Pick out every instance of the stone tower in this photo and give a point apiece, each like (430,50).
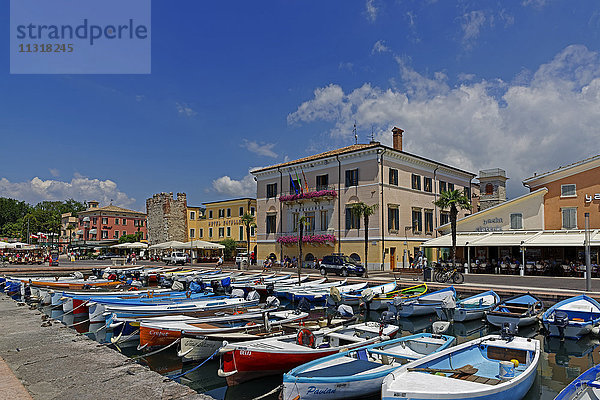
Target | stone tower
(167,218)
(492,183)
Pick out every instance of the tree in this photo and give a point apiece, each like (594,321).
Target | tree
(454,200)
(364,210)
(131,238)
(230,246)
(248,221)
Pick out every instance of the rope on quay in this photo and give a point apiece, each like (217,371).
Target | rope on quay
(119,340)
(173,377)
(157,351)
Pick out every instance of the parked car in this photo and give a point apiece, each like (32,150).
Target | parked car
(107,256)
(177,257)
(341,265)
(242,259)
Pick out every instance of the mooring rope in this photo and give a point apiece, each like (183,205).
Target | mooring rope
(78,323)
(157,351)
(275,390)
(173,377)
(75,308)
(119,340)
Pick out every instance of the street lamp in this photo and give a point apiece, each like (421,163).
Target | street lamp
(588,261)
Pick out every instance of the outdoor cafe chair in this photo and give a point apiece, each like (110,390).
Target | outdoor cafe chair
(529,269)
(540,269)
(513,268)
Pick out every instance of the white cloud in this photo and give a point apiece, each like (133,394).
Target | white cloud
(79,188)
(528,125)
(262,149)
(371,10)
(379,47)
(471,24)
(236,188)
(54,172)
(535,3)
(185,110)
(346,65)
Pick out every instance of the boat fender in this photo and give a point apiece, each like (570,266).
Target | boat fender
(596,330)
(515,362)
(224,374)
(250,324)
(381,326)
(188,294)
(305,337)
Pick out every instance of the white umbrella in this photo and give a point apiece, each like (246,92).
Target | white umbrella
(136,245)
(3,245)
(173,244)
(201,244)
(17,245)
(119,246)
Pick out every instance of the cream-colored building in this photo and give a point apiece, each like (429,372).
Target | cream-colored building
(404,187)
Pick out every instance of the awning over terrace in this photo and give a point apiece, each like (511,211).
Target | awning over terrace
(563,238)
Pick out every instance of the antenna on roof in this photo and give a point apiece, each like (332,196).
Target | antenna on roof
(355,134)
(372,134)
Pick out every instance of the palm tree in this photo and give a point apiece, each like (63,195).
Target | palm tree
(301,222)
(455,200)
(364,210)
(248,221)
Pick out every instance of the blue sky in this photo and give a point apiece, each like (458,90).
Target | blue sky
(238,84)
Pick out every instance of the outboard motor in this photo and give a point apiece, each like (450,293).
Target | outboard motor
(561,320)
(253,295)
(270,287)
(508,331)
(345,310)
(272,302)
(304,305)
(388,317)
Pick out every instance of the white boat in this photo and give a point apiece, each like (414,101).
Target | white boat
(358,373)
(423,305)
(354,299)
(471,308)
(520,310)
(585,387)
(573,318)
(491,368)
(257,358)
(312,294)
(291,291)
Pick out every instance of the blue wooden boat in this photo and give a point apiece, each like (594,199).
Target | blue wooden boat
(471,308)
(572,318)
(585,387)
(359,372)
(520,310)
(490,368)
(422,305)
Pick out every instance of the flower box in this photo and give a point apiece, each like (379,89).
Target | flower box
(308,195)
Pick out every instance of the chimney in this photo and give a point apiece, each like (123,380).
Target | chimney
(397,133)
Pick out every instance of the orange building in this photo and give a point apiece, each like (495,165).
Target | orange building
(573,191)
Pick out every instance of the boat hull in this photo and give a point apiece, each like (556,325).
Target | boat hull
(571,331)
(192,349)
(500,320)
(152,337)
(331,390)
(461,315)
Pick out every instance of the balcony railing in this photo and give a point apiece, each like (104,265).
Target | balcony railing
(309,194)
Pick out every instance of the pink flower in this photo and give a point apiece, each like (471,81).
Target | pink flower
(308,195)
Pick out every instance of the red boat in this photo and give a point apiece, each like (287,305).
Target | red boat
(244,361)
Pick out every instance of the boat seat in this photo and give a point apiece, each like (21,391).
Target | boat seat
(362,355)
(476,379)
(504,354)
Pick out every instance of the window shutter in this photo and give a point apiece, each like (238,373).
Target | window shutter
(356,179)
(390,217)
(348,218)
(397,219)
(347,178)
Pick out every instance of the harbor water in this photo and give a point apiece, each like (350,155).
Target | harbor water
(561,361)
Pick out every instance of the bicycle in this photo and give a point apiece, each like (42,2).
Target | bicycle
(453,275)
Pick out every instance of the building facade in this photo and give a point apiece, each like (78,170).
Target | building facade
(322,189)
(167,218)
(105,225)
(69,224)
(220,220)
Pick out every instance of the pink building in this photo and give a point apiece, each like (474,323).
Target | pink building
(103,225)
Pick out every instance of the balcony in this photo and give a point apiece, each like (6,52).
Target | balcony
(310,194)
(316,240)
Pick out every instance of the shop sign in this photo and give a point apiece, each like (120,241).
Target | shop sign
(589,198)
(490,225)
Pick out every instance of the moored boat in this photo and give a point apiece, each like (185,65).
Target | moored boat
(354,298)
(359,372)
(422,305)
(572,318)
(585,387)
(520,310)
(491,368)
(471,308)
(244,361)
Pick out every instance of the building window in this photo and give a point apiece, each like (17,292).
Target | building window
(569,217)
(228,231)
(210,232)
(104,221)
(443,187)
(428,221)
(228,212)
(271,190)
(201,233)
(489,189)
(221,213)
(393,218)
(221,232)
(322,182)
(416,182)
(516,221)
(295,219)
(450,186)
(192,233)
(252,211)
(417,221)
(427,184)
(124,221)
(192,215)
(444,218)
(352,177)
(210,214)
(116,221)
(252,231)
(309,225)
(467,192)
(569,190)
(94,220)
(393,178)
(352,220)
(324,221)
(241,233)
(104,234)
(241,211)
(271,223)
(116,235)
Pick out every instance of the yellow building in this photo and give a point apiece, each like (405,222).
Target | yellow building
(219,220)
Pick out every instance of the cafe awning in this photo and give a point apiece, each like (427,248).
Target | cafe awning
(462,238)
(561,238)
(508,238)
